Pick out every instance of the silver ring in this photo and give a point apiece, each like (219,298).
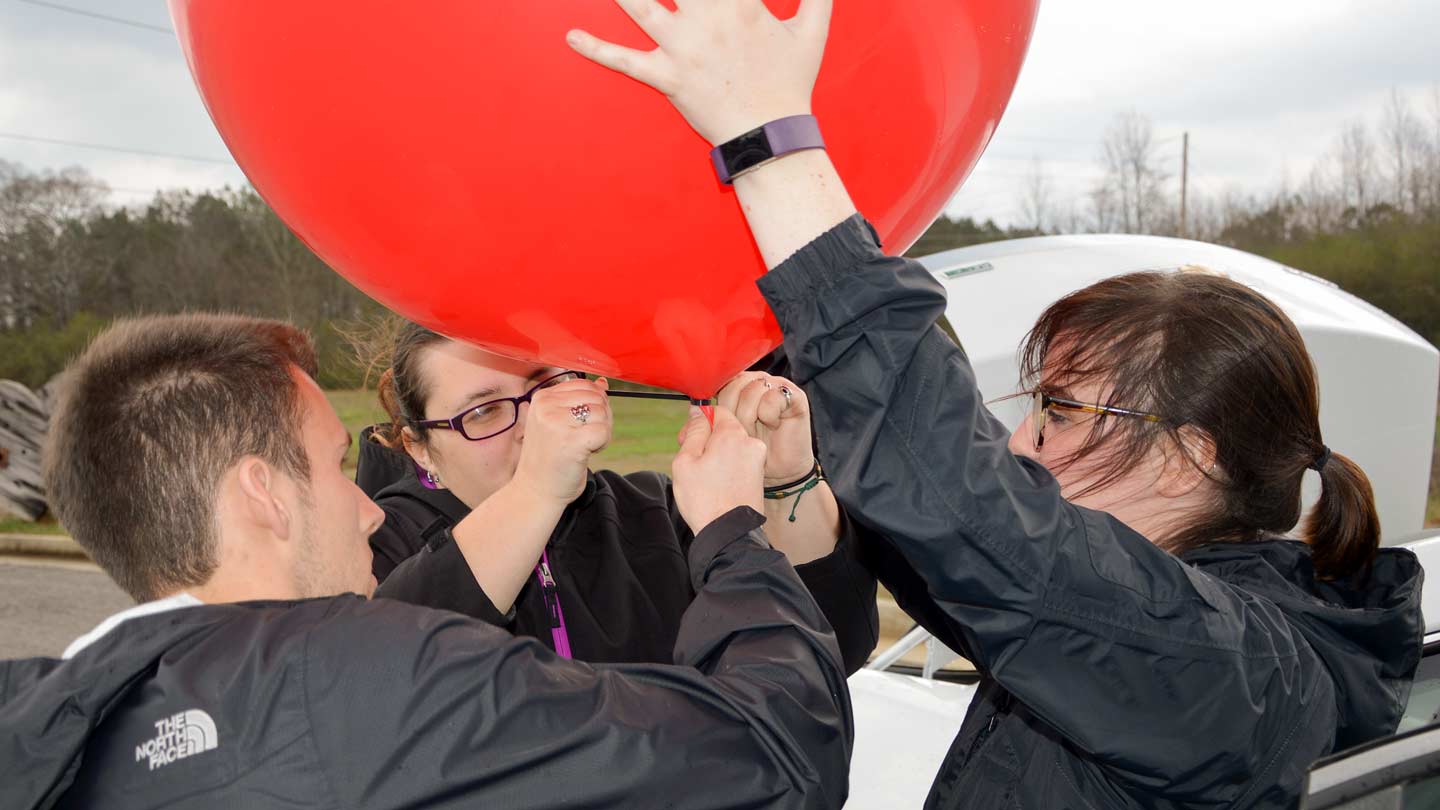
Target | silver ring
(581,413)
(785,392)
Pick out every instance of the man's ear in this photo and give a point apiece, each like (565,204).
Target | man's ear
(261,501)
(1190,463)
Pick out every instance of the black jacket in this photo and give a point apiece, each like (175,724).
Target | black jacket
(617,557)
(1114,674)
(348,703)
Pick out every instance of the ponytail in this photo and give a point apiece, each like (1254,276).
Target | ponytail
(1343,529)
(394,344)
(390,433)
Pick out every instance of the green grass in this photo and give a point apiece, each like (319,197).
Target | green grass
(358,410)
(645,432)
(9,525)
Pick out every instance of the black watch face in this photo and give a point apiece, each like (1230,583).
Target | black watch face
(746,152)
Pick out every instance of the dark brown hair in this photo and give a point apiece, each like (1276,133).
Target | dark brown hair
(150,418)
(1221,363)
(402,390)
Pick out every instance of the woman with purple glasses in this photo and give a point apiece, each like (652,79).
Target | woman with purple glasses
(492,510)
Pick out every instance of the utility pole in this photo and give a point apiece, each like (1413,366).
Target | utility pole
(1184,179)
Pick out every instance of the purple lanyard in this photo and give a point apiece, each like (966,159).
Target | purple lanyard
(552,603)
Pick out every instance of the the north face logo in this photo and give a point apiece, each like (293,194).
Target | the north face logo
(178,736)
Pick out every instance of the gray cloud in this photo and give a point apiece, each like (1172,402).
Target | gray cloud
(1263,88)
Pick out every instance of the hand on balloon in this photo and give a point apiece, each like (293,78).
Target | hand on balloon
(565,426)
(775,411)
(718,468)
(728,67)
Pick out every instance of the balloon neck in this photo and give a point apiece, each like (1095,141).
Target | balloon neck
(705,408)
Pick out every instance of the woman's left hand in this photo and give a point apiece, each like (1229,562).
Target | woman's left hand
(728,66)
(774,410)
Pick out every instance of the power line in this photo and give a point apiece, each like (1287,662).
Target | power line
(159,29)
(109,148)
(1002,135)
(1041,159)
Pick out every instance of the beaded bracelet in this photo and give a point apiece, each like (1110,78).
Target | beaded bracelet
(798,488)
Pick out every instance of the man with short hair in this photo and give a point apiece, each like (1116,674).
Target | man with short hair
(197,461)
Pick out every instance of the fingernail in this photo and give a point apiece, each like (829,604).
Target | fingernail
(694,411)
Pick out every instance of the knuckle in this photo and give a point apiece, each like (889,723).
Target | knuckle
(622,61)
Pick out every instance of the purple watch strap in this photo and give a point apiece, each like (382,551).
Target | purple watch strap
(758,146)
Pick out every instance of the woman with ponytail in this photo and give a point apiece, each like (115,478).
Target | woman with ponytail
(1120,569)
(491,509)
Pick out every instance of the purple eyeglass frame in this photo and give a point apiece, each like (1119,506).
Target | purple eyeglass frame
(456,422)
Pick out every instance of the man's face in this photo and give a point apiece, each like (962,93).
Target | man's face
(334,517)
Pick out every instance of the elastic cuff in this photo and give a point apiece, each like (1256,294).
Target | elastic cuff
(742,521)
(847,245)
(833,565)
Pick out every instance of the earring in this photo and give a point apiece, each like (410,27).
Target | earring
(432,478)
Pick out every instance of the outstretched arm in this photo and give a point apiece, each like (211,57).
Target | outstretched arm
(732,67)
(448,709)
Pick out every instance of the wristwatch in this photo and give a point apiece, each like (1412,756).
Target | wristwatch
(764,144)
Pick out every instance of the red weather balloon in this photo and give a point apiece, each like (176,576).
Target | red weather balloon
(460,164)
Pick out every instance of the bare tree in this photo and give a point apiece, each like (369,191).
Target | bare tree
(1132,172)
(48,199)
(1035,197)
(1356,157)
(40,273)
(1104,209)
(1405,145)
(1432,163)
(1321,201)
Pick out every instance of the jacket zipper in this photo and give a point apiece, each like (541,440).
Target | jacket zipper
(1002,706)
(551,591)
(547,587)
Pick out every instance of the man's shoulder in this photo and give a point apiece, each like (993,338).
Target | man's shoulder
(351,629)
(385,620)
(330,620)
(231,699)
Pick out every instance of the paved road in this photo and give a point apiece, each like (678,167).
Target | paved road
(45,605)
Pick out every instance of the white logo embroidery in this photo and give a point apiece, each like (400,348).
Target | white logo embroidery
(178,736)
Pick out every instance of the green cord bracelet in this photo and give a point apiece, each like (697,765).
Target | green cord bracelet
(798,492)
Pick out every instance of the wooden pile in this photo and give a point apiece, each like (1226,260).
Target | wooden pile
(24,416)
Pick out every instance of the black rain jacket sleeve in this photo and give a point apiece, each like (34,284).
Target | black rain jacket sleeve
(1145,664)
(418,561)
(757,714)
(842,585)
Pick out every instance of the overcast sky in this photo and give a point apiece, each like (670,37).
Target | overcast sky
(1262,86)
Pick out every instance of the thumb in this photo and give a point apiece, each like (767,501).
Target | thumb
(725,420)
(697,433)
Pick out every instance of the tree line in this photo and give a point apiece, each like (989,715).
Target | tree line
(70,264)
(1366,215)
